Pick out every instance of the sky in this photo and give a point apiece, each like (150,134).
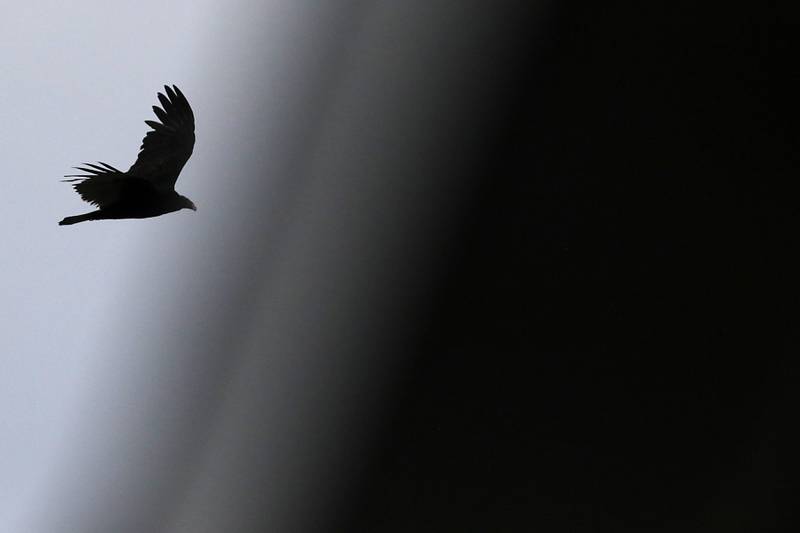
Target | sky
(135,393)
(78,81)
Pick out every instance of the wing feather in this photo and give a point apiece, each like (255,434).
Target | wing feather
(165,103)
(166,148)
(161,114)
(98,185)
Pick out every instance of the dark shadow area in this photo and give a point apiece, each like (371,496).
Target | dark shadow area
(611,343)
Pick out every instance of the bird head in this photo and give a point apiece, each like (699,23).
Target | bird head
(187,204)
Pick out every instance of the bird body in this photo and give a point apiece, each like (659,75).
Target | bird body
(147,189)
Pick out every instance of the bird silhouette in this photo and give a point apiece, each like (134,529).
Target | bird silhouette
(147,189)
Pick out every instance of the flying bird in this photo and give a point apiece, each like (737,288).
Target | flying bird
(147,189)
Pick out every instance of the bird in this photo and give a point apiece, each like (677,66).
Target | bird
(147,188)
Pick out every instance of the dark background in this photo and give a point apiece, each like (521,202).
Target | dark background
(611,338)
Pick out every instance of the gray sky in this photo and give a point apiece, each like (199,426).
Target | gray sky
(197,371)
(78,81)
(123,399)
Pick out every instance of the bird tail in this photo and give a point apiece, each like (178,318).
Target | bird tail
(79,218)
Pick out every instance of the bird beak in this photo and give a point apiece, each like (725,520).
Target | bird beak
(192,206)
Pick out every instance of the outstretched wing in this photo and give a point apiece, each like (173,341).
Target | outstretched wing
(167,147)
(101,184)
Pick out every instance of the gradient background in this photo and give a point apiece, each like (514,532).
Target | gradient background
(456,266)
